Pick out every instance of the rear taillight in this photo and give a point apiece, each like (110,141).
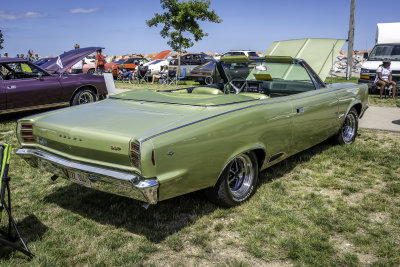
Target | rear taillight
(135,154)
(26,132)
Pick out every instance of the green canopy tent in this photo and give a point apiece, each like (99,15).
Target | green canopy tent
(8,239)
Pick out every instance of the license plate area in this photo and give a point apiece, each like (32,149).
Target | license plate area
(79,178)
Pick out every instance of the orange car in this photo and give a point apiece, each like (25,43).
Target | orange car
(132,63)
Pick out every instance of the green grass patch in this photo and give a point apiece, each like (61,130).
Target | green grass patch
(327,206)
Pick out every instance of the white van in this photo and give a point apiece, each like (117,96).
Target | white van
(387,47)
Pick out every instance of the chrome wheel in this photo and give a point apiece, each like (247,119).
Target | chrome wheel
(349,128)
(85,97)
(241,175)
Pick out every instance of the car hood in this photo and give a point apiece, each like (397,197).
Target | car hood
(319,53)
(161,55)
(68,59)
(373,65)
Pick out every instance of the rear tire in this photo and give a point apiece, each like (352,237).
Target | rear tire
(348,132)
(237,181)
(84,96)
(90,71)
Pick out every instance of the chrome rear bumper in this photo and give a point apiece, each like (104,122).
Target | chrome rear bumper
(110,181)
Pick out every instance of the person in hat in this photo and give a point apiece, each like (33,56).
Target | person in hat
(383,78)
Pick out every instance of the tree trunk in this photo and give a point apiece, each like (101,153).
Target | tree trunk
(178,71)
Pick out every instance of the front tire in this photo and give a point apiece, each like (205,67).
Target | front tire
(84,96)
(348,132)
(237,181)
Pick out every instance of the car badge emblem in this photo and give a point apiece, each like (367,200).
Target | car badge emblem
(69,137)
(117,148)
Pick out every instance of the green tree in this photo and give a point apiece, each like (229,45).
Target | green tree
(1,40)
(181,22)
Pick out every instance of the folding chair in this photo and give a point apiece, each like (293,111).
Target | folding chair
(176,79)
(171,77)
(141,74)
(9,239)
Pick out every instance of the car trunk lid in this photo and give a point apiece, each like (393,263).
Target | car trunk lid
(102,132)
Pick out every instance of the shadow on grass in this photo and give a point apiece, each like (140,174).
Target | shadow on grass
(165,218)
(14,117)
(31,229)
(156,223)
(280,169)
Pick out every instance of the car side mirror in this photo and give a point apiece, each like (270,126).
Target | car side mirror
(365,55)
(40,75)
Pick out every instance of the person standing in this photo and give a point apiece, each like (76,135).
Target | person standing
(77,67)
(30,56)
(99,62)
(383,78)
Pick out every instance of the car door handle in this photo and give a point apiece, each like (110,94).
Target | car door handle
(11,86)
(299,110)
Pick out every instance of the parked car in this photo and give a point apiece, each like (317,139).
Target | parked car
(90,68)
(154,145)
(130,64)
(155,66)
(205,73)
(25,86)
(387,47)
(190,61)
(247,53)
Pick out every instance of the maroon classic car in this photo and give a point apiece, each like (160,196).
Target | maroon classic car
(25,86)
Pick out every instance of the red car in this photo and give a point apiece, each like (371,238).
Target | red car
(132,63)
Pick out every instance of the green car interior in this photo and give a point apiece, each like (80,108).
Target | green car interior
(242,79)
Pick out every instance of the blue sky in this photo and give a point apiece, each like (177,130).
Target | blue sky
(53,26)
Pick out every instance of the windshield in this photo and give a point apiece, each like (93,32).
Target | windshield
(388,51)
(287,75)
(120,61)
(253,54)
(156,61)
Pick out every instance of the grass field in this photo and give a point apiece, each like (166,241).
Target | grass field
(328,206)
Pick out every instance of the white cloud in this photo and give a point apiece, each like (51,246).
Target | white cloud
(5,15)
(83,10)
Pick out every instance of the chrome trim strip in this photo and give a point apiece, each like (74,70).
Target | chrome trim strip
(275,157)
(234,110)
(125,184)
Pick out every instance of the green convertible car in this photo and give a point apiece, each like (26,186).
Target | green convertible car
(154,145)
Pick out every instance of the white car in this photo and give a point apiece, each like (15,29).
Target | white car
(155,66)
(247,53)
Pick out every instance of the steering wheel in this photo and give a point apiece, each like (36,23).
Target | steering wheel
(238,89)
(9,76)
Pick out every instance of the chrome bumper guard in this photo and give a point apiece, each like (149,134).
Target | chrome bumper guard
(110,181)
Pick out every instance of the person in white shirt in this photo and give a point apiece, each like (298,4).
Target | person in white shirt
(383,78)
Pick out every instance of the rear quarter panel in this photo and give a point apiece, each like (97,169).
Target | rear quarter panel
(350,95)
(72,83)
(192,157)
